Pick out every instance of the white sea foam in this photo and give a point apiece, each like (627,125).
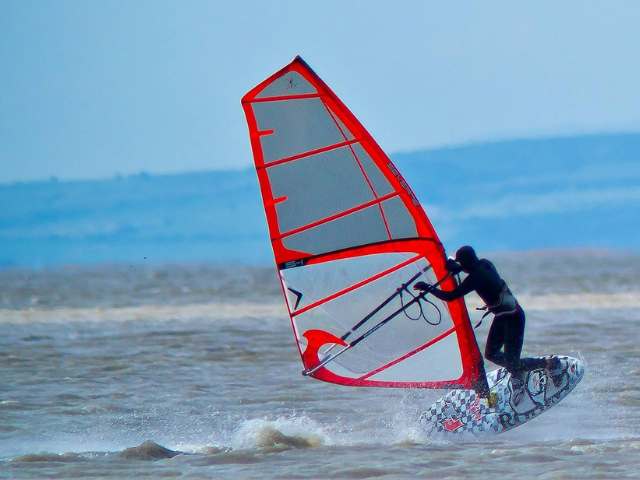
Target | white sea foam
(280,433)
(581,301)
(213,311)
(142,312)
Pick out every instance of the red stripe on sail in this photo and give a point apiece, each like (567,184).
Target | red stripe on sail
(281,98)
(310,153)
(410,354)
(339,215)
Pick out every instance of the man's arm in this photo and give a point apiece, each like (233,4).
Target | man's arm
(460,291)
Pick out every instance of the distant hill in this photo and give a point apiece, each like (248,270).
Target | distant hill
(581,191)
(571,192)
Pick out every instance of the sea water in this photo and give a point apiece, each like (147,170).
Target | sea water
(191,371)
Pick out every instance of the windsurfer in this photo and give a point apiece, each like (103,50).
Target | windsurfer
(507,329)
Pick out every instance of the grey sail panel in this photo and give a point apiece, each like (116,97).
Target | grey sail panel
(317,187)
(290,84)
(298,126)
(399,220)
(379,182)
(359,228)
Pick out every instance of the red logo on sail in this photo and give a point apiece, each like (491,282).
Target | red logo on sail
(316,339)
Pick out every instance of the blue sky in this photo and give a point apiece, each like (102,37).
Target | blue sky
(92,89)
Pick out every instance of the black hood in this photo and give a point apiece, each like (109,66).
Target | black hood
(466,257)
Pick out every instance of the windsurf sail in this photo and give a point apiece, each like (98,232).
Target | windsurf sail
(350,240)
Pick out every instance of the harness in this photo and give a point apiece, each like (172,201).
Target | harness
(506,305)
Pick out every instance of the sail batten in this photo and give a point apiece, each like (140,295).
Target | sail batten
(336,216)
(350,240)
(308,154)
(285,97)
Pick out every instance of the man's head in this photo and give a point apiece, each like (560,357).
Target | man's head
(466,257)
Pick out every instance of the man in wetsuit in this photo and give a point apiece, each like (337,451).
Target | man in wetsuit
(507,328)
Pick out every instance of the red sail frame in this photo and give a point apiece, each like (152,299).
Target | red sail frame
(426,244)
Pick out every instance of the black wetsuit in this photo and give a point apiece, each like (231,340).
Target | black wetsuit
(507,328)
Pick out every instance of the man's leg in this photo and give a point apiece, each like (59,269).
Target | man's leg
(513,338)
(495,341)
(522,364)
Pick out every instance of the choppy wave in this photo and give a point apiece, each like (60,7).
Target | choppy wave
(148,450)
(279,434)
(163,375)
(347,451)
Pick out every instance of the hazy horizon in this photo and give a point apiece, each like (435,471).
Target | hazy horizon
(240,168)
